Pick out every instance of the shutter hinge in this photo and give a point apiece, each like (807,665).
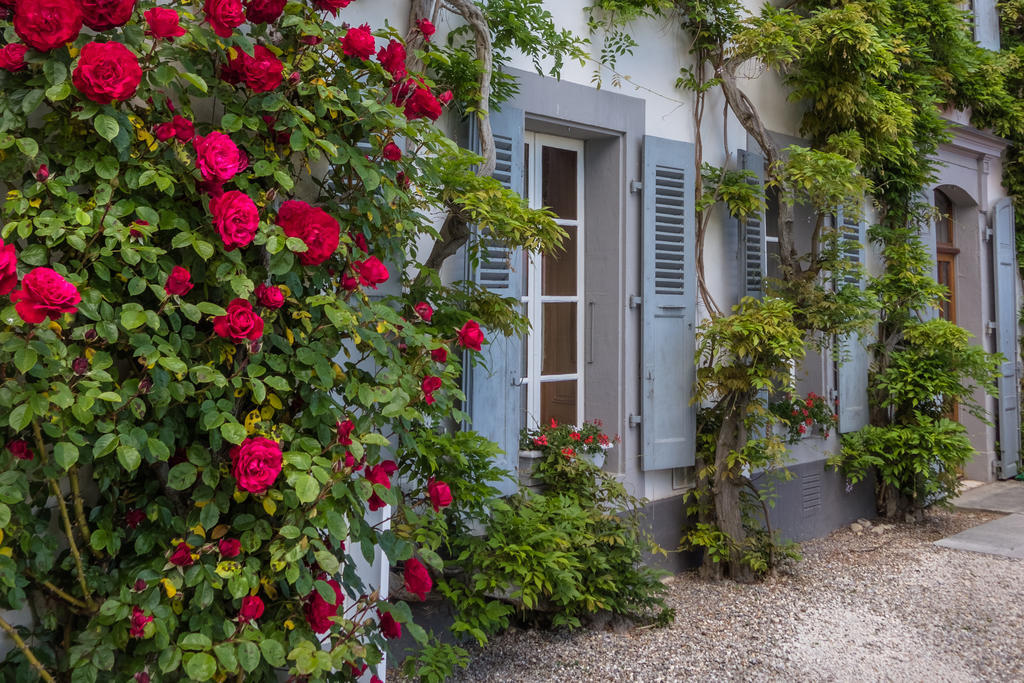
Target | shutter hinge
(635,301)
(635,420)
(517,381)
(635,186)
(988,234)
(991,327)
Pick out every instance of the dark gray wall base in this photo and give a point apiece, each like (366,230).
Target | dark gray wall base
(813,503)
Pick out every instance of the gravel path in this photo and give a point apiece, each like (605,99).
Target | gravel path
(860,607)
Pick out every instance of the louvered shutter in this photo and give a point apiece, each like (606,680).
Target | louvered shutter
(494,398)
(853,369)
(668,424)
(752,233)
(926,233)
(1005,278)
(986,24)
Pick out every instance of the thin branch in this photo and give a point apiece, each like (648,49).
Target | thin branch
(70,599)
(72,545)
(76,493)
(29,655)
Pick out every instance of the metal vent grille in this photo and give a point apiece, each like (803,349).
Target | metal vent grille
(669,231)
(810,494)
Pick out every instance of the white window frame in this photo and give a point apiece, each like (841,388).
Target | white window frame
(533,301)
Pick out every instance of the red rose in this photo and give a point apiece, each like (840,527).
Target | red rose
(12,56)
(358,42)
(389,628)
(319,611)
(8,268)
(45,294)
(178,282)
(271,297)
(331,6)
(426,28)
(422,103)
(46,24)
(182,555)
(43,173)
(20,450)
(314,226)
(163,23)
(256,463)
(345,429)
(229,547)
(139,621)
(440,355)
(264,11)
(371,272)
(417,579)
(240,323)
(218,157)
(392,58)
(262,72)
(251,609)
(429,385)
(134,517)
(380,474)
(224,16)
(470,336)
(350,283)
(184,129)
(100,15)
(445,97)
(236,218)
(163,131)
(107,72)
(391,152)
(440,494)
(424,310)
(360,241)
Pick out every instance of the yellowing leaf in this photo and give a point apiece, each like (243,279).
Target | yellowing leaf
(251,420)
(198,530)
(239,496)
(169,587)
(291,337)
(267,412)
(289,624)
(55,327)
(269,588)
(227,568)
(275,401)
(219,531)
(269,506)
(89,353)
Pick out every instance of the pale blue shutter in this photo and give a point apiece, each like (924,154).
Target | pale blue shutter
(494,397)
(668,421)
(1006,336)
(986,24)
(926,232)
(853,368)
(752,233)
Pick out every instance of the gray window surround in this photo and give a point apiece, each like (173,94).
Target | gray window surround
(612,127)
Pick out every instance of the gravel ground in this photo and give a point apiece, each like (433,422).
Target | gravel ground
(863,606)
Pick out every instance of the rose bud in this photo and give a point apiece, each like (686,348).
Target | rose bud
(80,365)
(90,335)
(145,384)
(43,173)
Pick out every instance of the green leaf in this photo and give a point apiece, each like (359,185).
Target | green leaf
(226,654)
(20,417)
(181,476)
(106,126)
(65,454)
(105,444)
(210,308)
(233,432)
(169,659)
(195,641)
(5,515)
(248,655)
(107,169)
(273,652)
(200,667)
(56,93)
(25,359)
(28,147)
(196,80)
(129,457)
(306,488)
(327,561)
(131,319)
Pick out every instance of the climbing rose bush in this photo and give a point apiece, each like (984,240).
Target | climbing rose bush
(214,363)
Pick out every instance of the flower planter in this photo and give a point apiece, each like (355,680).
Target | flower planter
(527,460)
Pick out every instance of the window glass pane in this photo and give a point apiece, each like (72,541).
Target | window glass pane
(558,181)
(560,268)
(558,401)
(771,218)
(772,247)
(559,344)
